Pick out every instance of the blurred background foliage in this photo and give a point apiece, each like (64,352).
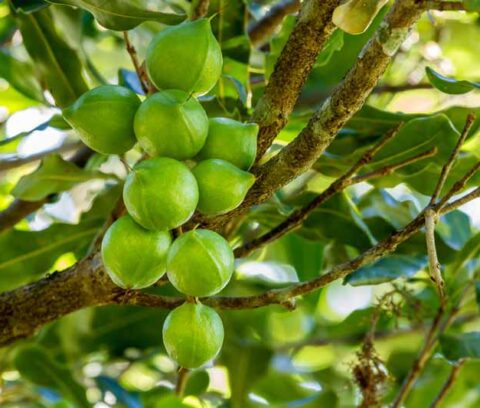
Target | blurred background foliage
(114,356)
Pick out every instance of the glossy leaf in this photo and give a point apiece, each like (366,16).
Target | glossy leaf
(27,255)
(270,274)
(20,75)
(56,63)
(387,269)
(38,366)
(53,176)
(459,346)
(448,85)
(121,15)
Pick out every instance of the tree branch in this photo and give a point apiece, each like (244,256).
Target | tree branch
(199,9)
(349,96)
(454,373)
(26,309)
(139,69)
(451,160)
(348,179)
(311,32)
(446,5)
(434,265)
(260,31)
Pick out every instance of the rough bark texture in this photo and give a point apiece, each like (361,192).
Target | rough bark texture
(312,30)
(24,310)
(349,96)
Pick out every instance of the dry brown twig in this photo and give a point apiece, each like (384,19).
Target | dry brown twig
(139,68)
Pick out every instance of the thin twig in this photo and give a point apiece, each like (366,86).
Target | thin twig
(451,160)
(299,216)
(142,75)
(455,371)
(260,31)
(460,184)
(199,9)
(434,265)
(445,5)
(385,171)
(420,361)
(182,377)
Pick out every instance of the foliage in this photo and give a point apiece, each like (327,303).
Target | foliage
(373,321)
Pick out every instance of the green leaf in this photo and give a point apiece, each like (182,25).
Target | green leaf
(20,75)
(334,220)
(458,346)
(28,6)
(53,176)
(450,86)
(334,44)
(121,15)
(248,363)
(197,383)
(386,270)
(417,136)
(472,5)
(57,64)
(267,273)
(36,365)
(27,255)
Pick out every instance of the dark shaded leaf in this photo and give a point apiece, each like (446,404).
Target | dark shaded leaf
(450,86)
(57,64)
(387,269)
(35,364)
(28,6)
(458,346)
(20,75)
(197,383)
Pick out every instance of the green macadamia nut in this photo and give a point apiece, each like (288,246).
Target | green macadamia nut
(134,257)
(186,56)
(172,124)
(193,335)
(103,118)
(222,186)
(200,263)
(232,141)
(161,193)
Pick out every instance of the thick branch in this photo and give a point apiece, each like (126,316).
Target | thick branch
(311,32)
(199,9)
(261,30)
(345,101)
